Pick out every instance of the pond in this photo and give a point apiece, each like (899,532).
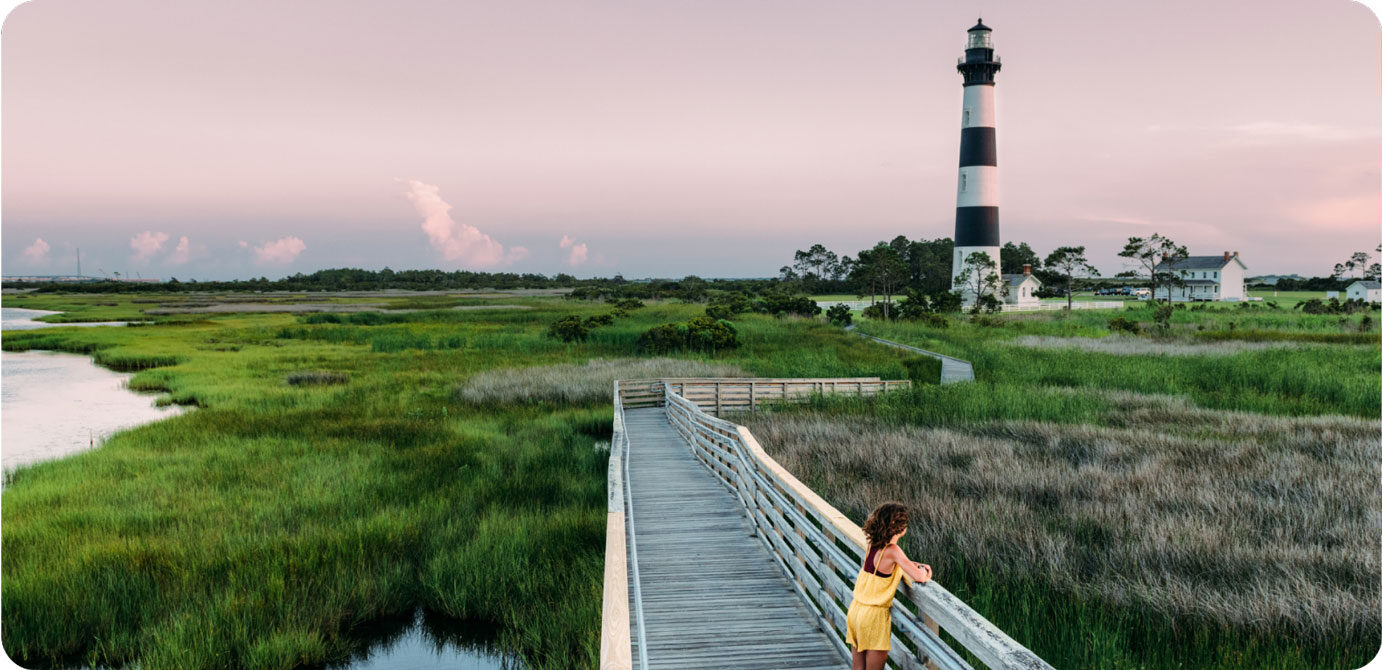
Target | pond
(56,404)
(428,642)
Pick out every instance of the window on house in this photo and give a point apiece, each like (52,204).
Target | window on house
(1216,274)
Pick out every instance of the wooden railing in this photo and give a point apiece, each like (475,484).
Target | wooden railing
(616,647)
(820,550)
(717,395)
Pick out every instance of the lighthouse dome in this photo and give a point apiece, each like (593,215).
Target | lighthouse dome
(981,27)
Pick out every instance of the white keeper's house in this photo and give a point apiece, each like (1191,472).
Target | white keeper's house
(1021,289)
(1205,278)
(1367,290)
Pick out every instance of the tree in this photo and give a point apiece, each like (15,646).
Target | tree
(883,270)
(1069,262)
(1358,261)
(979,277)
(1158,256)
(1012,257)
(816,264)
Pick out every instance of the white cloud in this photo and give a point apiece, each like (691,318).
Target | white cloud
(458,242)
(182,252)
(146,244)
(281,251)
(37,253)
(244,244)
(579,252)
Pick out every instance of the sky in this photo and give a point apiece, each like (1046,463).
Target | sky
(215,140)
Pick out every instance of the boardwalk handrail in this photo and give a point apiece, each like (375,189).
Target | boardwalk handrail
(715,395)
(821,550)
(616,652)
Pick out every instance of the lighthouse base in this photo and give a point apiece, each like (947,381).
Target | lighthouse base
(966,289)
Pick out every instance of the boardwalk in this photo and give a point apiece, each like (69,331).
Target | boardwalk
(712,594)
(952,369)
(717,556)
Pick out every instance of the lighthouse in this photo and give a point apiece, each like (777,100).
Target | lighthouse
(976,208)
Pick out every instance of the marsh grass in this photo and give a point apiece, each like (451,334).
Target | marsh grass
(1207,534)
(1302,379)
(579,384)
(316,378)
(262,529)
(1122,345)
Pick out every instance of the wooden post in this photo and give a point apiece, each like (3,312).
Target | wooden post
(753,406)
(717,398)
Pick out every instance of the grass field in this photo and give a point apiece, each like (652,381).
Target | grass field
(347,468)
(1202,498)
(336,474)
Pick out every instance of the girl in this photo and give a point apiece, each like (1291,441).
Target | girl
(869,623)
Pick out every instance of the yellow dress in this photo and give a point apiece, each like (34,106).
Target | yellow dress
(869,622)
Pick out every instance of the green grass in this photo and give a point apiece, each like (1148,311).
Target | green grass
(261,529)
(1314,378)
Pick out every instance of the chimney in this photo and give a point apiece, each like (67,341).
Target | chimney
(1235,254)
(1226,256)
(1026,269)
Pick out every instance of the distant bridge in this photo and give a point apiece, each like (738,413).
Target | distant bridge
(687,585)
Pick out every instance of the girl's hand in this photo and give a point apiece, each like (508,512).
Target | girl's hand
(926,569)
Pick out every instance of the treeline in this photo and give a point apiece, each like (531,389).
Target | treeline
(338,279)
(892,267)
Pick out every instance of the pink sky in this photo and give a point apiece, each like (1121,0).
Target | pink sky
(220,139)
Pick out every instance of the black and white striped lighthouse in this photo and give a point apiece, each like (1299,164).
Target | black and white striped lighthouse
(976,210)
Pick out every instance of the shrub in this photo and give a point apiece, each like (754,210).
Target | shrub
(569,329)
(1120,324)
(627,304)
(839,315)
(729,304)
(933,320)
(598,320)
(1162,317)
(706,334)
(947,302)
(988,303)
(878,312)
(662,339)
(718,311)
(702,333)
(316,378)
(779,304)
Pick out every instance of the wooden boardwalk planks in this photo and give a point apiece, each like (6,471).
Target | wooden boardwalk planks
(712,595)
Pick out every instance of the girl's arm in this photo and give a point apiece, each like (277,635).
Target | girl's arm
(919,572)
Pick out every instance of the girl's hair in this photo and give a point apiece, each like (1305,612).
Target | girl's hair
(887,520)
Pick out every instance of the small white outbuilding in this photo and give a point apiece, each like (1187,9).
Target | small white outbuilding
(1367,290)
(1021,289)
